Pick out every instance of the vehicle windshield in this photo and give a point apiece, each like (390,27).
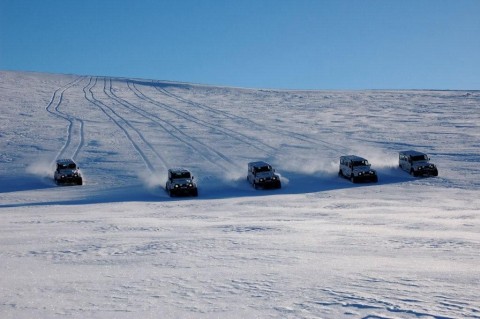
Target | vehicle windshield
(419,158)
(360,163)
(180,175)
(266,168)
(67,166)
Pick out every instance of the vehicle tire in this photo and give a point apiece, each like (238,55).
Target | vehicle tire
(279,185)
(412,172)
(352,179)
(79,181)
(435,173)
(375,179)
(195,193)
(340,173)
(255,185)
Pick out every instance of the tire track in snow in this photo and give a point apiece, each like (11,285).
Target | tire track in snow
(109,93)
(205,151)
(250,123)
(270,150)
(75,124)
(143,148)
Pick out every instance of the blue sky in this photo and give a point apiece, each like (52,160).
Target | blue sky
(357,44)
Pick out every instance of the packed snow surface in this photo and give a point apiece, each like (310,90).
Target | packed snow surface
(320,247)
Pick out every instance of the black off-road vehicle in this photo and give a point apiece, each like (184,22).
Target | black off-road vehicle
(180,182)
(67,173)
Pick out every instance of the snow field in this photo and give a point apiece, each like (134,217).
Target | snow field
(321,247)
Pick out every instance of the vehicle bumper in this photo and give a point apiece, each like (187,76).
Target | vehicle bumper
(270,184)
(184,191)
(426,172)
(69,181)
(366,178)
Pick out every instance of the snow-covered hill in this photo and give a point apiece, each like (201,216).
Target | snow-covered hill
(320,247)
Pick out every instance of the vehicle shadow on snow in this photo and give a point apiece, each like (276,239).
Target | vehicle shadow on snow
(10,184)
(293,183)
(90,194)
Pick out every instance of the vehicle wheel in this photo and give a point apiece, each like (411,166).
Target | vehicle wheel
(375,179)
(352,178)
(255,185)
(412,172)
(340,173)
(435,173)
(80,181)
(195,193)
(279,185)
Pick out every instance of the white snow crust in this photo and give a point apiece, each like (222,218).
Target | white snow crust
(320,247)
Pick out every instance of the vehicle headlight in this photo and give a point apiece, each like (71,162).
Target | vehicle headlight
(261,179)
(190,185)
(176,186)
(274,178)
(360,174)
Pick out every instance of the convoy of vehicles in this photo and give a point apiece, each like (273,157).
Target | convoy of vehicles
(261,175)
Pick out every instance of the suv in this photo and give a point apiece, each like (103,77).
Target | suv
(357,169)
(180,182)
(262,175)
(67,172)
(416,163)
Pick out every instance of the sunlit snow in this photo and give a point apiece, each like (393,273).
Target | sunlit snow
(320,247)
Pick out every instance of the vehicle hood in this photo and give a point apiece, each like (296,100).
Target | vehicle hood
(422,164)
(265,175)
(69,171)
(182,181)
(361,169)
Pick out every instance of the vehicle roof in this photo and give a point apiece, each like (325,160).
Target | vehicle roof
(258,163)
(179,170)
(65,161)
(412,152)
(353,157)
